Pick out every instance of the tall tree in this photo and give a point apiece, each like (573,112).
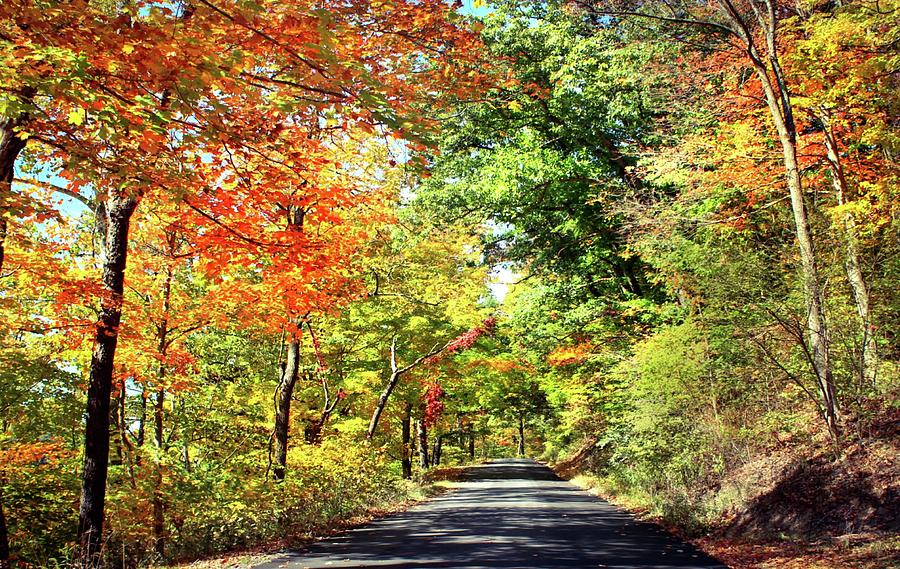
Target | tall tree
(754,27)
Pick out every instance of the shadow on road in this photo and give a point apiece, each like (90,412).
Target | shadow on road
(509,514)
(510,469)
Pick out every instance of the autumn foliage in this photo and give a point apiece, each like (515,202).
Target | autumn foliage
(245,250)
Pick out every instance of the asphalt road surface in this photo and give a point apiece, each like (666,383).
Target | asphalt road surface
(506,514)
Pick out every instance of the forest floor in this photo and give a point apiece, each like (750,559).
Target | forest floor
(793,506)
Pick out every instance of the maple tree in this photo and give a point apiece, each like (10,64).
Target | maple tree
(155,91)
(257,243)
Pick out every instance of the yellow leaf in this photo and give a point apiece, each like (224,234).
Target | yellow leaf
(76,117)
(127,49)
(478,3)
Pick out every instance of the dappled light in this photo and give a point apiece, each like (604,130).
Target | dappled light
(509,513)
(449,283)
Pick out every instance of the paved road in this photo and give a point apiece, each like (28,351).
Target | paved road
(507,514)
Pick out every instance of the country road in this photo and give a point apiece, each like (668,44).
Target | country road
(507,514)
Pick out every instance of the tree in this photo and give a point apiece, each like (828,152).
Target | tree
(754,26)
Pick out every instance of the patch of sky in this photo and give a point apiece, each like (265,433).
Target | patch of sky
(476,8)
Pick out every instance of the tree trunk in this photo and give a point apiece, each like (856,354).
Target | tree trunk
(96,433)
(142,420)
(382,403)
(436,453)
(471,446)
(11,145)
(4,535)
(186,455)
(778,99)
(422,435)
(869,357)
(159,522)
(186,434)
(405,451)
(396,372)
(159,415)
(124,443)
(816,330)
(283,409)
(116,429)
(313,430)
(521,449)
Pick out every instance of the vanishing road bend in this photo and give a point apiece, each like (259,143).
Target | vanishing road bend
(506,514)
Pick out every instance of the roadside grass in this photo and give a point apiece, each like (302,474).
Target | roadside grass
(434,483)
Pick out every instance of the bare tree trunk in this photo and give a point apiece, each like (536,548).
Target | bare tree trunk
(816,329)
(521,449)
(96,434)
(869,360)
(289,375)
(187,456)
(422,435)
(142,420)
(313,431)
(124,443)
(382,403)
(471,446)
(778,99)
(186,434)
(405,440)
(159,521)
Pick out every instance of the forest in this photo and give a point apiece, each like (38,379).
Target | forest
(267,266)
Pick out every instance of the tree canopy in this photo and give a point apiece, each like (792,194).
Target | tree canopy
(257,257)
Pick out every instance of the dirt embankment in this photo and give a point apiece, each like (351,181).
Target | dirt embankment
(800,507)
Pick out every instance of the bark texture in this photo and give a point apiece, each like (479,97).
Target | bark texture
(438,448)
(868,363)
(11,146)
(521,448)
(289,374)
(162,336)
(422,436)
(96,434)
(393,380)
(406,440)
